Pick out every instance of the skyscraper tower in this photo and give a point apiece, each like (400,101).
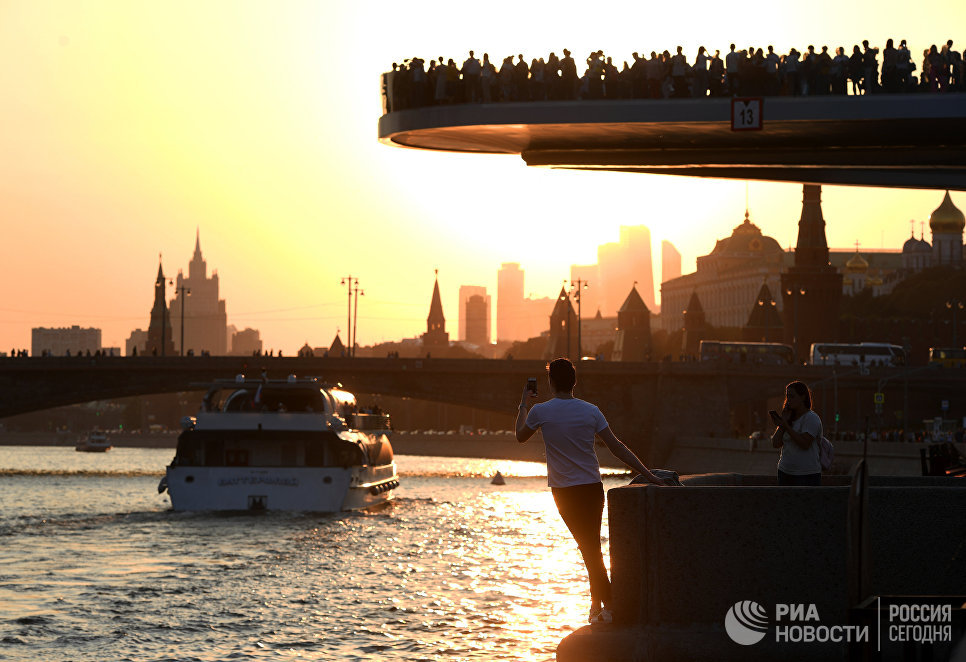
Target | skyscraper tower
(435,338)
(670,261)
(477,320)
(467,292)
(206,320)
(623,263)
(509,302)
(160,342)
(812,288)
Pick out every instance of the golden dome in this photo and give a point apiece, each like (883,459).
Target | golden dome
(873,281)
(947,217)
(856,264)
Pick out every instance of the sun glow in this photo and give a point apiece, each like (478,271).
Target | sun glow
(128,126)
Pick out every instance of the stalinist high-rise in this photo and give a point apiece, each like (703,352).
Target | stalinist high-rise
(205,319)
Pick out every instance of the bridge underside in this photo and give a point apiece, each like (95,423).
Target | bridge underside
(898,141)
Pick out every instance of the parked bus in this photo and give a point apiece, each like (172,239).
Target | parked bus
(858,354)
(949,357)
(762,353)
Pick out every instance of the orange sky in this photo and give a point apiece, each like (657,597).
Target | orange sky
(125,126)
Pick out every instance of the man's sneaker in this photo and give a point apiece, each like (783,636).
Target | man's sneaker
(600,615)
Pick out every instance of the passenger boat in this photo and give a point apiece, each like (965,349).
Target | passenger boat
(95,442)
(296,444)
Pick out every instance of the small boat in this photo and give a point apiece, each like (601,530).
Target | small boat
(95,442)
(296,444)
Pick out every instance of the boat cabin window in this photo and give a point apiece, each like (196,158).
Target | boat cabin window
(257,399)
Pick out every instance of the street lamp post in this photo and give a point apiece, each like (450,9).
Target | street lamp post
(576,286)
(794,294)
(566,297)
(355,319)
(348,282)
(953,305)
(182,293)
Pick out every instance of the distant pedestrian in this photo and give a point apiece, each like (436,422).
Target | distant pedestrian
(569,427)
(797,435)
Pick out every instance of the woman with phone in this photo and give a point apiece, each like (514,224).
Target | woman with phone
(569,427)
(797,435)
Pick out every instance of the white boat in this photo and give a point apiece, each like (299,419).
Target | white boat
(296,444)
(95,442)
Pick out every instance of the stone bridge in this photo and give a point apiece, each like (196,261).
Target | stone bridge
(649,405)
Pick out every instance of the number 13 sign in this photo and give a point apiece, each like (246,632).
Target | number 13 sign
(746,114)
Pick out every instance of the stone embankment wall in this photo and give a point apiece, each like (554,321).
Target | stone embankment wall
(682,557)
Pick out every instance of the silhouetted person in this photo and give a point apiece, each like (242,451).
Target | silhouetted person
(471,71)
(569,427)
(568,76)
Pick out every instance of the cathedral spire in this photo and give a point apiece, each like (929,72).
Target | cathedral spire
(436,319)
(435,338)
(812,248)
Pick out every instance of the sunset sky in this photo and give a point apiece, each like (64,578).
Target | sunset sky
(125,126)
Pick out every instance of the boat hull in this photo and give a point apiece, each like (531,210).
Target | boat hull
(310,489)
(92,449)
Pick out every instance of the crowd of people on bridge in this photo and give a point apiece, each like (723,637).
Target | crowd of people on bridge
(739,72)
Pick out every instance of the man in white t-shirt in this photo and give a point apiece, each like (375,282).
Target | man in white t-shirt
(569,427)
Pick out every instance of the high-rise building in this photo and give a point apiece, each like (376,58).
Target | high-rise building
(510,313)
(625,264)
(670,261)
(477,311)
(205,323)
(59,342)
(466,292)
(136,344)
(159,341)
(246,342)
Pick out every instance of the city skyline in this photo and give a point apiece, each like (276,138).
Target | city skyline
(130,126)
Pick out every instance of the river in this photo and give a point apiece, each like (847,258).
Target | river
(94,565)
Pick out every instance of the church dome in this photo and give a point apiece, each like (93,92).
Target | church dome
(746,239)
(856,264)
(911,246)
(947,218)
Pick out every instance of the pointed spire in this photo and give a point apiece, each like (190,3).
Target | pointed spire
(197,243)
(694,305)
(764,312)
(812,248)
(436,305)
(563,305)
(633,302)
(160,279)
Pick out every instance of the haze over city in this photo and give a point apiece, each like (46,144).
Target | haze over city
(129,127)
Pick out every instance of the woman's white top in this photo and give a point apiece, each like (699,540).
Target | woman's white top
(569,426)
(795,460)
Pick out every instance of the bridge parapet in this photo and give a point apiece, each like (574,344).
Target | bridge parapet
(648,405)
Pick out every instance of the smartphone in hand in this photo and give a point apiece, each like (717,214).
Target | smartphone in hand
(532,385)
(775,416)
